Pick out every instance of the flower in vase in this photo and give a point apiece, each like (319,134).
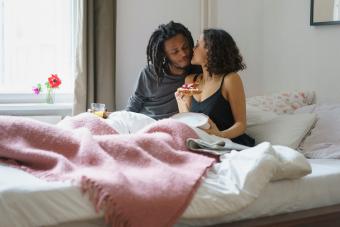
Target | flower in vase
(51,84)
(37,89)
(54,81)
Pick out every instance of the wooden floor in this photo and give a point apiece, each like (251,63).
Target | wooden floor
(319,217)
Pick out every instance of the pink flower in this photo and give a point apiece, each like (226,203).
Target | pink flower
(54,81)
(37,89)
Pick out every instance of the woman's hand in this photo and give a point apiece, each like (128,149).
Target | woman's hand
(182,102)
(213,130)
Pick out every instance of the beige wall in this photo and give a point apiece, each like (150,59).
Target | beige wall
(282,51)
(136,20)
(297,55)
(243,19)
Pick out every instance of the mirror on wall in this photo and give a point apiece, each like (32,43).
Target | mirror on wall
(325,12)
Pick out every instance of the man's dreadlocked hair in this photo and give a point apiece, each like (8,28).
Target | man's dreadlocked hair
(155,49)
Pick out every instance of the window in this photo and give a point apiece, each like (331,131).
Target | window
(36,40)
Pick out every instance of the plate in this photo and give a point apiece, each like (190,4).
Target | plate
(197,120)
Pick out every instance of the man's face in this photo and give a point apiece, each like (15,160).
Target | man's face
(178,52)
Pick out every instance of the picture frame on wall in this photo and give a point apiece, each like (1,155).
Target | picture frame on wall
(325,12)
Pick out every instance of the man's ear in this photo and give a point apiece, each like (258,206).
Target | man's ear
(165,61)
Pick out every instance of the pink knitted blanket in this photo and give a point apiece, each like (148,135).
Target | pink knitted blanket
(143,179)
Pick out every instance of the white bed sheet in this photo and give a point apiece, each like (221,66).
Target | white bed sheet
(26,201)
(320,188)
(29,201)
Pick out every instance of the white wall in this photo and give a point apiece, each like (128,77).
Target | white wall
(282,51)
(243,20)
(136,20)
(297,55)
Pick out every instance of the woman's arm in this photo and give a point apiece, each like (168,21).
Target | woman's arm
(233,91)
(184,101)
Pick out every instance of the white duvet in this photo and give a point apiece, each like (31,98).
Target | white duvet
(240,177)
(229,186)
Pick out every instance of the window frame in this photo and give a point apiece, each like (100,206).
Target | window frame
(26,103)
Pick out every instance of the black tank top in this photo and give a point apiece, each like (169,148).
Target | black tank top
(219,111)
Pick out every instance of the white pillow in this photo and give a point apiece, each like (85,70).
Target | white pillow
(287,130)
(292,165)
(284,102)
(306,109)
(257,116)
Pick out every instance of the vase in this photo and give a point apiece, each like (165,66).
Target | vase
(50,96)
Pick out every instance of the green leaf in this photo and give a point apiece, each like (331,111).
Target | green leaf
(48,85)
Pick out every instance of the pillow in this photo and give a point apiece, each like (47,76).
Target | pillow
(324,139)
(292,165)
(285,102)
(306,109)
(287,129)
(257,116)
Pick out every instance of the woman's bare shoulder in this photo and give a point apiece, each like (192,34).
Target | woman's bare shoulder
(232,84)
(231,79)
(232,76)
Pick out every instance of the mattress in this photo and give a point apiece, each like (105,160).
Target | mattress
(29,201)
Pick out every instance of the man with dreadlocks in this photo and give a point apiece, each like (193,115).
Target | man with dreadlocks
(169,53)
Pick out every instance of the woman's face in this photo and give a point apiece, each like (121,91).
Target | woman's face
(200,55)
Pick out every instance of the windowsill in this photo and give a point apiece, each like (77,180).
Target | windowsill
(36,109)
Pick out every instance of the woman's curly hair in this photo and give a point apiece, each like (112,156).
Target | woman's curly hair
(155,50)
(223,55)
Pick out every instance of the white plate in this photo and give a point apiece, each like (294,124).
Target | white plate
(197,120)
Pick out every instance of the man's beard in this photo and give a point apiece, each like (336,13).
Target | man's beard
(178,67)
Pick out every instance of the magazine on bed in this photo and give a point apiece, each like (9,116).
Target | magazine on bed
(217,146)
(205,143)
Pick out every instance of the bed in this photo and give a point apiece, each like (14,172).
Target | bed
(313,199)
(50,203)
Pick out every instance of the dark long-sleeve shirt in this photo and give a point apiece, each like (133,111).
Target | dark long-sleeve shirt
(156,101)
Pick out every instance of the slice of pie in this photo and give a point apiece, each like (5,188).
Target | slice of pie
(189,89)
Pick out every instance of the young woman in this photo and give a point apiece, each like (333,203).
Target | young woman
(221,95)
